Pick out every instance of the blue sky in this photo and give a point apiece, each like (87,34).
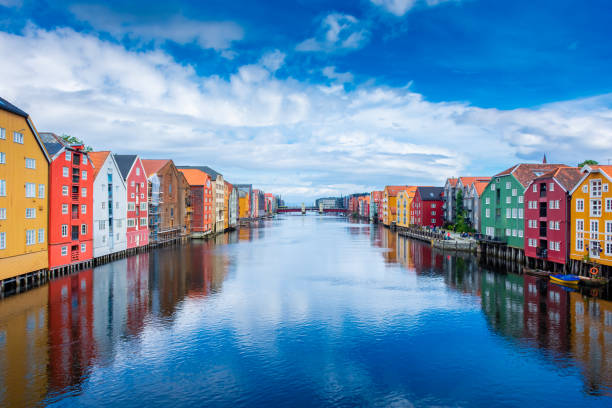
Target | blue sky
(310,98)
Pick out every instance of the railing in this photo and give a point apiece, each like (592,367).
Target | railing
(542,253)
(75,196)
(74,255)
(75,215)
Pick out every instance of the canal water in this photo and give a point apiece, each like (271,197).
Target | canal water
(304,311)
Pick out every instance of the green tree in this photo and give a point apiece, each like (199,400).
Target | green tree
(71,140)
(461,220)
(589,162)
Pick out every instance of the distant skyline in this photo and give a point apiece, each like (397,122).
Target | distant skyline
(316,98)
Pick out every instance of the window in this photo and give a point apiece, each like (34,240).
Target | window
(2,133)
(2,158)
(520,213)
(116,204)
(2,213)
(520,199)
(84,174)
(487,213)
(507,185)
(508,232)
(2,188)
(30,190)
(142,195)
(41,191)
(596,188)
(30,237)
(433,221)
(83,247)
(83,229)
(557,225)
(64,190)
(520,233)
(551,186)
(64,230)
(595,208)
(143,221)
(41,236)
(551,204)
(170,188)
(2,238)
(103,205)
(18,137)
(585,188)
(492,187)
(84,159)
(64,208)
(65,171)
(142,185)
(608,204)
(605,187)
(131,207)
(508,200)
(551,245)
(118,223)
(433,213)
(508,213)
(487,200)
(30,163)
(143,206)
(64,250)
(514,233)
(68,155)
(138,171)
(131,222)
(514,192)
(84,192)
(83,209)
(30,212)
(580,205)
(133,195)
(102,225)
(514,213)
(490,231)
(133,184)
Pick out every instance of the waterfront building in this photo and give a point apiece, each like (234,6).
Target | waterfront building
(185,209)
(24,178)
(218,196)
(270,203)
(245,194)
(427,207)
(472,202)
(135,179)
(389,203)
(449,194)
(364,206)
(501,203)
(109,205)
(452,188)
(375,206)
(233,207)
(165,221)
(227,190)
(201,202)
(547,215)
(258,203)
(71,202)
(404,204)
(329,203)
(591,216)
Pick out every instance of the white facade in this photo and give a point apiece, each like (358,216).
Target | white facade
(219,204)
(110,210)
(233,207)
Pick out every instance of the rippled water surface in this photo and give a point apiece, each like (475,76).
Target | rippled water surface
(304,311)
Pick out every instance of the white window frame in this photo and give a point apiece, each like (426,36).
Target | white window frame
(2,240)
(30,213)
(64,230)
(68,155)
(64,251)
(30,237)
(18,137)
(2,158)
(30,163)
(41,235)
(2,213)
(580,205)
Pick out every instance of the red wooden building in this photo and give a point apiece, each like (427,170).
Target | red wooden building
(133,173)
(376,198)
(71,176)
(202,204)
(426,209)
(547,215)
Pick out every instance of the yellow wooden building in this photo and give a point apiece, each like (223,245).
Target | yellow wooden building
(389,203)
(591,216)
(24,179)
(403,203)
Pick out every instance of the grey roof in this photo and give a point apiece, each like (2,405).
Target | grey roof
(7,106)
(125,162)
(430,193)
(52,142)
(213,174)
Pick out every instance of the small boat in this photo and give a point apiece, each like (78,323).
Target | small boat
(536,272)
(593,282)
(569,280)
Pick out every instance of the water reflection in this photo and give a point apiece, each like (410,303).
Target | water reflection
(359,311)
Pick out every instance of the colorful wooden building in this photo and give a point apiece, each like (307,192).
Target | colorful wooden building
(218,186)
(471,202)
(591,217)
(71,186)
(376,198)
(389,203)
(427,207)
(109,206)
(24,178)
(135,179)
(547,216)
(245,192)
(501,203)
(404,204)
(201,202)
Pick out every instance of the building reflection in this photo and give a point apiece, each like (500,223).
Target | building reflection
(24,353)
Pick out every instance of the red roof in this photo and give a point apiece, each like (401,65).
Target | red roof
(452,181)
(467,181)
(97,160)
(525,172)
(392,191)
(195,177)
(480,186)
(153,166)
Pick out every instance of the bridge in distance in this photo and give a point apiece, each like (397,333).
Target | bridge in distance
(304,209)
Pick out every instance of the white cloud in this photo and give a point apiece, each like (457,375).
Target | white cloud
(337,32)
(11,3)
(401,7)
(339,77)
(217,35)
(286,136)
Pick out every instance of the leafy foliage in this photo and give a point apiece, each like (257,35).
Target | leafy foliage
(72,140)
(462,223)
(588,162)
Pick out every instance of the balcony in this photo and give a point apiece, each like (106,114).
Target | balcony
(75,215)
(76,159)
(542,253)
(543,209)
(542,232)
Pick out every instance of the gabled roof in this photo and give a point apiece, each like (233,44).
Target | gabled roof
(452,181)
(431,193)
(480,186)
(9,107)
(567,177)
(525,172)
(153,166)
(52,142)
(213,174)
(125,163)
(585,171)
(195,177)
(467,181)
(392,191)
(97,160)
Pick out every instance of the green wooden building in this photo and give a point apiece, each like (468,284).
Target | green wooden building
(501,203)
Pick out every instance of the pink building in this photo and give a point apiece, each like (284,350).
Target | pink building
(133,174)
(547,215)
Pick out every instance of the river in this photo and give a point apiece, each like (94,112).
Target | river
(304,311)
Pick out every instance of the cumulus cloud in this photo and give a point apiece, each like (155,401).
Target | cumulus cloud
(401,7)
(339,77)
(337,32)
(217,35)
(290,137)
